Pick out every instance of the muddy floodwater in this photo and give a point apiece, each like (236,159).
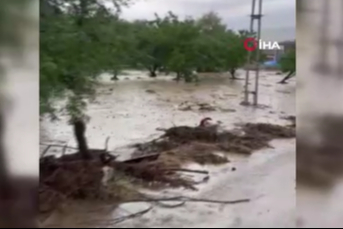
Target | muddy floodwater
(130,110)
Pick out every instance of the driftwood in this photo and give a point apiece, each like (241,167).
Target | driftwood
(188,171)
(189,199)
(65,147)
(160,164)
(139,159)
(110,222)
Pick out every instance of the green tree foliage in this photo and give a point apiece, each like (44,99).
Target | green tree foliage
(287,64)
(77,39)
(81,39)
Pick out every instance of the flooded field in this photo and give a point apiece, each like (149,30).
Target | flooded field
(129,111)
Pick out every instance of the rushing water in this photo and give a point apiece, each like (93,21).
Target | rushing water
(131,109)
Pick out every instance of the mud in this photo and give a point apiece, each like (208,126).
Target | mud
(256,136)
(72,177)
(128,114)
(68,177)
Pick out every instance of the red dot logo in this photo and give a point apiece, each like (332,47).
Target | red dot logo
(249,41)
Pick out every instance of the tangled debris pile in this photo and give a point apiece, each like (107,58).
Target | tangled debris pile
(290,118)
(257,136)
(68,177)
(159,161)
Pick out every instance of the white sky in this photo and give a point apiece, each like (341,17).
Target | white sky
(278,22)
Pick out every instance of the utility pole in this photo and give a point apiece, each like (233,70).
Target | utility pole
(247,71)
(257,59)
(253,17)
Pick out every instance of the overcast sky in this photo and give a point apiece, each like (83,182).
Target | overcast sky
(278,22)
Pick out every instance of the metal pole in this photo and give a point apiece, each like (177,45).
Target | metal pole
(247,71)
(258,54)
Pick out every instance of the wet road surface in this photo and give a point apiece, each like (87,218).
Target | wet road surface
(130,111)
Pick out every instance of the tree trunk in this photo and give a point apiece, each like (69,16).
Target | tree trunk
(166,71)
(289,75)
(233,73)
(188,77)
(152,73)
(82,14)
(178,77)
(153,70)
(79,132)
(115,76)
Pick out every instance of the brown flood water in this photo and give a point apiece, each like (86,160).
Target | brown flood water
(131,109)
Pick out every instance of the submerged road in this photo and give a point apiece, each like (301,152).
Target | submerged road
(130,110)
(268,178)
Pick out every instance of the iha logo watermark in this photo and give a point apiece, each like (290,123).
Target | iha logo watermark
(251,44)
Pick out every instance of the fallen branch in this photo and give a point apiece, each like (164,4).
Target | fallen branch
(64,150)
(171,205)
(219,202)
(57,145)
(188,199)
(206,179)
(141,158)
(141,213)
(111,222)
(106,143)
(188,171)
(45,151)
